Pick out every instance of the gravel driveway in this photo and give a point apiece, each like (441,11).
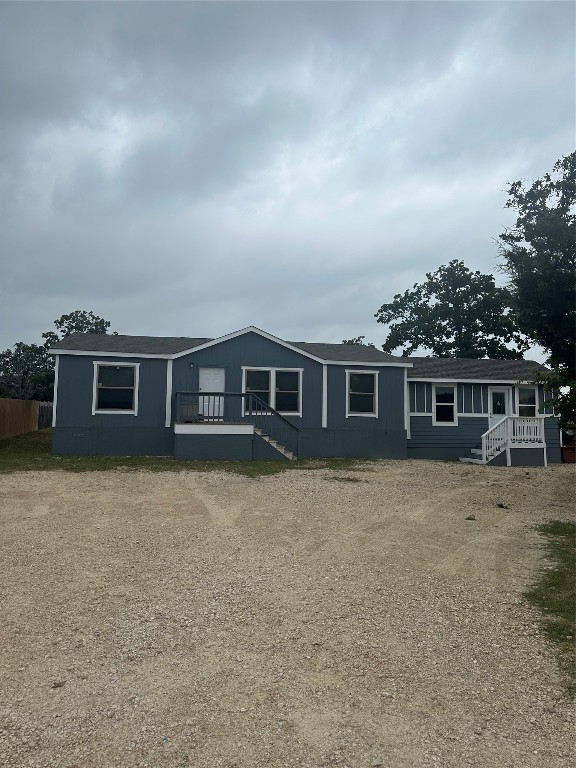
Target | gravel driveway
(305,619)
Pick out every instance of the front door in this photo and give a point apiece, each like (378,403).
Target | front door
(498,404)
(211,407)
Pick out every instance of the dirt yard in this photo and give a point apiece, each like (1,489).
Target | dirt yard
(305,619)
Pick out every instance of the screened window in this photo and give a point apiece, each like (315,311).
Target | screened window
(527,401)
(444,405)
(361,394)
(115,388)
(281,389)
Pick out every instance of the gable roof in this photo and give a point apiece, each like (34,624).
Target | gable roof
(462,368)
(175,346)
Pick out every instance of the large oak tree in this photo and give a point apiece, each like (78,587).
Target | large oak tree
(454,313)
(539,258)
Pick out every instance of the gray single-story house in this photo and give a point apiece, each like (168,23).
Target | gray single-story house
(250,395)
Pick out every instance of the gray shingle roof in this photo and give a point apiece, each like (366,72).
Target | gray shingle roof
(462,368)
(144,345)
(424,367)
(352,352)
(169,345)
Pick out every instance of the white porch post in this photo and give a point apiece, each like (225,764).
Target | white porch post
(55,398)
(324,396)
(168,419)
(407,404)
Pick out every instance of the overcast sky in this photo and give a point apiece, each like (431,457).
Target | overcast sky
(189,169)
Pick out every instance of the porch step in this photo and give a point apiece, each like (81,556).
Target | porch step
(466,460)
(275,444)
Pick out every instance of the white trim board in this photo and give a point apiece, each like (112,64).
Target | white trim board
(491,382)
(118,411)
(454,404)
(324,396)
(354,415)
(213,429)
(168,417)
(98,353)
(407,405)
(55,399)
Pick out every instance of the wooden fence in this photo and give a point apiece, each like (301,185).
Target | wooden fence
(18,416)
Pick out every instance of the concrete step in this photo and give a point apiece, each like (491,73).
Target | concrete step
(466,460)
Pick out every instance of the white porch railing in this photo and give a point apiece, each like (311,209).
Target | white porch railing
(513,431)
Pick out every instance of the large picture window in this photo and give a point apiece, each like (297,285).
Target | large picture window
(115,388)
(361,393)
(279,388)
(527,405)
(444,404)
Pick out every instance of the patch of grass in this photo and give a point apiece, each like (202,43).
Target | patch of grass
(555,594)
(33,451)
(346,479)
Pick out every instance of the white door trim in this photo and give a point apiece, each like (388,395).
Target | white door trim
(495,418)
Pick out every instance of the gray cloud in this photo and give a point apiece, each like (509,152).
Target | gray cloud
(193,168)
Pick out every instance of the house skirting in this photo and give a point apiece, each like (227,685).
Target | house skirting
(352,443)
(112,441)
(527,457)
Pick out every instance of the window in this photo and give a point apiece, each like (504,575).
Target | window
(527,401)
(287,391)
(258,382)
(444,405)
(361,393)
(280,388)
(115,388)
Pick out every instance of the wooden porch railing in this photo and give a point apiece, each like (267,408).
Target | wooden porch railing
(216,407)
(513,431)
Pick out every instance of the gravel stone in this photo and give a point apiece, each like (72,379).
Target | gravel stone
(213,620)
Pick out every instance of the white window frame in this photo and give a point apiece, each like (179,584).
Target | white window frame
(444,423)
(536,399)
(273,371)
(352,414)
(119,411)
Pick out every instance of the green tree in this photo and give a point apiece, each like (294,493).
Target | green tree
(79,321)
(27,370)
(539,258)
(454,313)
(358,341)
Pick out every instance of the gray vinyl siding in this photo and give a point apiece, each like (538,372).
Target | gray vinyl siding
(552,438)
(252,350)
(75,388)
(390,400)
(445,442)
(470,398)
(78,432)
